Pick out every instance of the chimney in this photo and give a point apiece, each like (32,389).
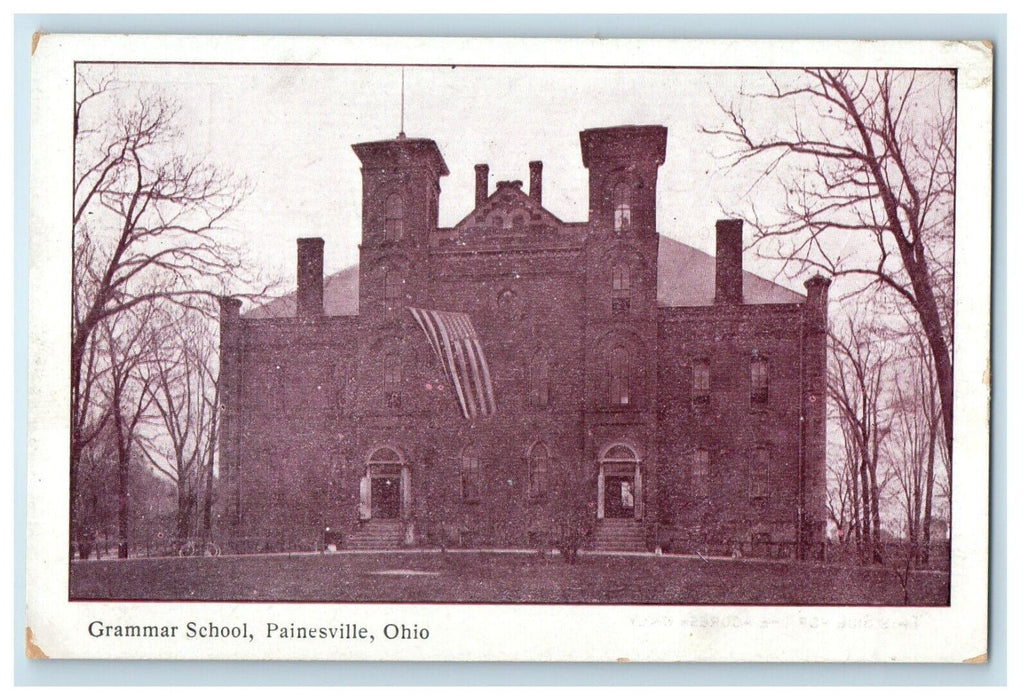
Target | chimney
(481,183)
(310,274)
(229,307)
(535,181)
(817,302)
(728,274)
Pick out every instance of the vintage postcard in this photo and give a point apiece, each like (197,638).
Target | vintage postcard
(562,350)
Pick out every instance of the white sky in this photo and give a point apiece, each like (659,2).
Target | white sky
(288,130)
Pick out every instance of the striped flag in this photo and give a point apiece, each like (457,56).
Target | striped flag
(456,345)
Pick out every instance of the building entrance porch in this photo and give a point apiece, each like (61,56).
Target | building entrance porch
(619,492)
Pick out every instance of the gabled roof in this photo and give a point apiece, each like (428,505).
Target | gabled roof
(340,298)
(507,199)
(685,277)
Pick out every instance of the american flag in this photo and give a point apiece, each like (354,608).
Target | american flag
(456,345)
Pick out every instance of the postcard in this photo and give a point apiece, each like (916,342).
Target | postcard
(509,349)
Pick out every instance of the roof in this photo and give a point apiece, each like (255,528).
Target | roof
(388,153)
(685,277)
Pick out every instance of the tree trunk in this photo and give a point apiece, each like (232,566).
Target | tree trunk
(876,521)
(929,487)
(928,312)
(208,498)
(865,510)
(123,473)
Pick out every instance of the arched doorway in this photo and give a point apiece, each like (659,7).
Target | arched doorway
(619,483)
(385,487)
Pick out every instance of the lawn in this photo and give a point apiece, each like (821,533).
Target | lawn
(497,578)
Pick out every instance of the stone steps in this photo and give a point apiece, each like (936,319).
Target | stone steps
(377,534)
(613,535)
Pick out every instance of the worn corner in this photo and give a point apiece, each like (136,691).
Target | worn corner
(36,36)
(980,659)
(32,650)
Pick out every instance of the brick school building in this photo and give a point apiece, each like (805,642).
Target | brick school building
(466,385)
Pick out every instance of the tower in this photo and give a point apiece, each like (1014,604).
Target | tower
(400,207)
(620,264)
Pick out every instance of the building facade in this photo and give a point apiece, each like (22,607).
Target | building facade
(678,400)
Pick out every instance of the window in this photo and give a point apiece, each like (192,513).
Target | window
(470,478)
(507,304)
(621,287)
(385,460)
(539,378)
(758,381)
(701,381)
(759,473)
(619,375)
(621,455)
(392,372)
(539,465)
(622,208)
(277,393)
(394,218)
(393,289)
(700,473)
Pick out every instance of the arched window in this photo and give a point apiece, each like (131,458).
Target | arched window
(539,377)
(539,466)
(393,289)
(622,207)
(385,461)
(701,381)
(700,476)
(392,378)
(758,381)
(394,218)
(619,454)
(621,288)
(507,303)
(760,473)
(470,477)
(619,376)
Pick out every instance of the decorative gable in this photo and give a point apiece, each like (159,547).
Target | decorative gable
(508,215)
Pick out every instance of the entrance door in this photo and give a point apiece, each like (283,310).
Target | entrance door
(385,497)
(619,497)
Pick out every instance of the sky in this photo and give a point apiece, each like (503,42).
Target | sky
(289,129)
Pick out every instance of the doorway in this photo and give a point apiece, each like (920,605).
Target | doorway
(619,497)
(385,497)
(619,483)
(385,489)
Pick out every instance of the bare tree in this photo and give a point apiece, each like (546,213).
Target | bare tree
(864,164)
(857,360)
(840,497)
(916,440)
(183,389)
(127,398)
(145,220)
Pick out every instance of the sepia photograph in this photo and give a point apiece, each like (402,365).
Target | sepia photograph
(591,335)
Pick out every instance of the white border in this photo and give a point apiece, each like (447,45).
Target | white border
(521,632)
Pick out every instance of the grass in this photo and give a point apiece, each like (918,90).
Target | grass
(496,578)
